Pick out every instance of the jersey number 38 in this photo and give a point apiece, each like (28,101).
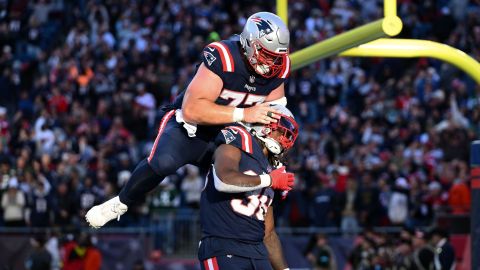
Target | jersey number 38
(256,206)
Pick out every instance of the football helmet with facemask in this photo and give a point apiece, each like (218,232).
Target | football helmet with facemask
(265,40)
(282,140)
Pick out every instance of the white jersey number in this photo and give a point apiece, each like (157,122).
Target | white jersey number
(240,98)
(257,206)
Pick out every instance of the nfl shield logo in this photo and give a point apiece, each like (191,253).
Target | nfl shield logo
(251,79)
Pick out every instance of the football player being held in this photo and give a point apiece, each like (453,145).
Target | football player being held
(236,81)
(236,211)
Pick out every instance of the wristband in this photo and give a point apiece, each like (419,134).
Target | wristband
(265,180)
(238,114)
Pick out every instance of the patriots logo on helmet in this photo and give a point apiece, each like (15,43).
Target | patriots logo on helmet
(264,26)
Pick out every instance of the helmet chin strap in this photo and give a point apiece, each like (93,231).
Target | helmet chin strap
(271,145)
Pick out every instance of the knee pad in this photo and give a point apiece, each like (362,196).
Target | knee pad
(164,164)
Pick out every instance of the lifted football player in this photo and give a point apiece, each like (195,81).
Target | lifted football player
(235,82)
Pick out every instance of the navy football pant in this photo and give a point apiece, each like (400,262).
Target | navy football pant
(171,150)
(232,262)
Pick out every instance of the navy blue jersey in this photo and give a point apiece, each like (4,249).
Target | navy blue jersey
(242,87)
(233,223)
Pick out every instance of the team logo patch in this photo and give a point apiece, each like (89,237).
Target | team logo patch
(209,57)
(229,137)
(251,79)
(264,26)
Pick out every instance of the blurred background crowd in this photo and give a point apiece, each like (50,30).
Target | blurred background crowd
(383,142)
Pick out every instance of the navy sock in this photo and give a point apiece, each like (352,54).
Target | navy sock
(143,180)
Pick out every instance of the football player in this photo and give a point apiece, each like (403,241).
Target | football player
(235,82)
(236,210)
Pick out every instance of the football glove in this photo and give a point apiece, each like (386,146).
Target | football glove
(281,179)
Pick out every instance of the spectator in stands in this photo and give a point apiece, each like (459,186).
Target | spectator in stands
(63,205)
(459,194)
(320,255)
(323,206)
(40,259)
(13,204)
(53,247)
(93,257)
(192,186)
(4,128)
(423,253)
(363,255)
(368,201)
(398,208)
(163,202)
(40,207)
(75,253)
(348,206)
(422,212)
(444,252)
(401,255)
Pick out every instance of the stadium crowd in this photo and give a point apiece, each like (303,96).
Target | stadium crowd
(383,141)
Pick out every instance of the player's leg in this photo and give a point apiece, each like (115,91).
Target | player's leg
(228,262)
(171,150)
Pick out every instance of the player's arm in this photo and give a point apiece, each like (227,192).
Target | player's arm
(199,105)
(277,96)
(272,242)
(228,177)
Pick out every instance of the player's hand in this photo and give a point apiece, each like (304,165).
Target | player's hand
(281,179)
(261,113)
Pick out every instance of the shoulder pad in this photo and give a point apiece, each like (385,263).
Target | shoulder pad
(218,58)
(236,136)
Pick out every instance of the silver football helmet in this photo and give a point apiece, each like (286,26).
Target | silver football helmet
(265,40)
(284,138)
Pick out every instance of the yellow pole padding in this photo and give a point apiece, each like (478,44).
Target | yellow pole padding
(282,10)
(390,8)
(408,48)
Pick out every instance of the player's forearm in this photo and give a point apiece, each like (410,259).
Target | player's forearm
(206,112)
(275,253)
(240,179)
(236,182)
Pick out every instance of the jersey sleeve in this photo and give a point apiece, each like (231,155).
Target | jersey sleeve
(236,136)
(216,56)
